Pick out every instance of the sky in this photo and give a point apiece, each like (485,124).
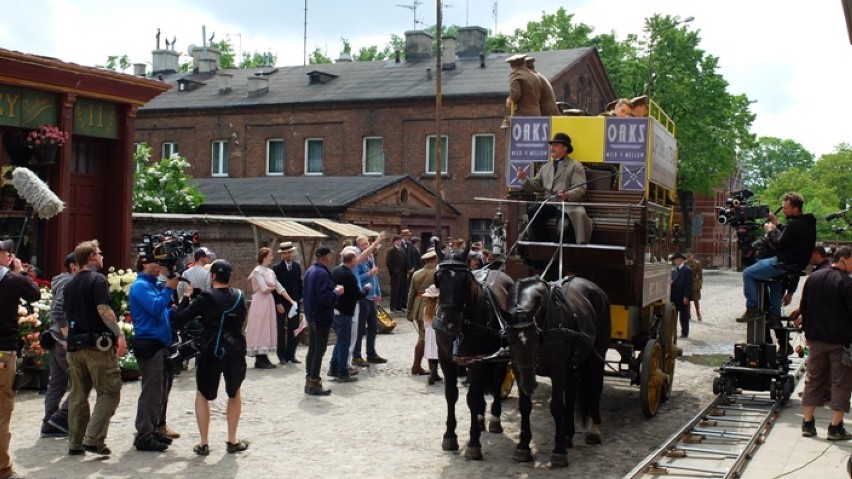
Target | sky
(793,59)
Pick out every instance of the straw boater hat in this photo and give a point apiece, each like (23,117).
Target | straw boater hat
(285,247)
(405,232)
(431,292)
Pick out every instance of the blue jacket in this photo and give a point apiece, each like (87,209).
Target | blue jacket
(149,308)
(362,271)
(319,295)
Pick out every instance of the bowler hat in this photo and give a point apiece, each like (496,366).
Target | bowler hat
(322,251)
(285,247)
(564,139)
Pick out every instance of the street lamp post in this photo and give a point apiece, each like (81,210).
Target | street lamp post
(654,37)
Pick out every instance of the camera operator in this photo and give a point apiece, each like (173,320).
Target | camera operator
(221,352)
(149,307)
(793,244)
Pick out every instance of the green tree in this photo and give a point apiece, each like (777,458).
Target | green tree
(396,44)
(258,60)
(820,199)
(163,187)
(116,63)
(835,171)
(317,57)
(769,157)
(227,58)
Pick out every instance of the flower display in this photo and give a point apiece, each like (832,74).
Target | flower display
(127,328)
(46,135)
(119,290)
(30,329)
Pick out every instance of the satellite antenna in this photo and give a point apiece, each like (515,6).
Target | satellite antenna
(191,48)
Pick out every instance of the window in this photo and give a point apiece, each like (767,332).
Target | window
(430,154)
(480,230)
(374,156)
(483,154)
(313,156)
(220,158)
(169,148)
(275,157)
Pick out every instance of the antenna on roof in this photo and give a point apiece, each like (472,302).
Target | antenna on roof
(413,8)
(308,196)
(235,201)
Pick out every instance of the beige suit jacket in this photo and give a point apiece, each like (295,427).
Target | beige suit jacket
(571,174)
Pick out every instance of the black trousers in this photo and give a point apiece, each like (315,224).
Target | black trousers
(539,230)
(287,343)
(317,344)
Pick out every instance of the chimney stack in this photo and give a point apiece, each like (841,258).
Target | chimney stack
(257,86)
(164,62)
(200,54)
(418,45)
(139,69)
(448,58)
(225,83)
(471,41)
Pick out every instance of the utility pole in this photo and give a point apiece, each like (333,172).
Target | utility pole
(439,196)
(305,37)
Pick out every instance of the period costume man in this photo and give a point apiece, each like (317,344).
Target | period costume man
(14,286)
(524,89)
(397,263)
(421,280)
(681,291)
(547,100)
(289,274)
(561,179)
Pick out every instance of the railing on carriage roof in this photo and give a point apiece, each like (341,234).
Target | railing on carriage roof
(657,112)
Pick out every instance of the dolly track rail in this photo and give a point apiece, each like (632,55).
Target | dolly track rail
(717,441)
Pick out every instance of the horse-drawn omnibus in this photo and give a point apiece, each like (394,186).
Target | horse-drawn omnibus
(631,170)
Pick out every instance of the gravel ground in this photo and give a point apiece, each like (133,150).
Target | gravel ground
(388,424)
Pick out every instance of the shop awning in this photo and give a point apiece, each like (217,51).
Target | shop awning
(287,228)
(346,230)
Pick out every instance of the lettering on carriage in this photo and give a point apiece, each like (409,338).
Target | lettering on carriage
(536,132)
(626,133)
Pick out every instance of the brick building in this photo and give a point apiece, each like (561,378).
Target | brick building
(361,119)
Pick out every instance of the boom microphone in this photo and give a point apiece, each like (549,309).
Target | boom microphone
(834,216)
(36,193)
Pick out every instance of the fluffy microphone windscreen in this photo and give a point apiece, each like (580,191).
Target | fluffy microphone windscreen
(36,193)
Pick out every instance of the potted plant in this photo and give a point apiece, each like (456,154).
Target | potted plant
(45,142)
(129,367)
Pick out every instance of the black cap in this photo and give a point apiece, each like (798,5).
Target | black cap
(71,258)
(7,246)
(322,251)
(678,255)
(220,267)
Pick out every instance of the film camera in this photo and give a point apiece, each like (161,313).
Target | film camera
(743,217)
(737,210)
(169,248)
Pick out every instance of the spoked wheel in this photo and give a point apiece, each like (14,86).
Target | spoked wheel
(668,339)
(652,378)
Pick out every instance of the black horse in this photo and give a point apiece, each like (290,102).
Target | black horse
(560,330)
(468,333)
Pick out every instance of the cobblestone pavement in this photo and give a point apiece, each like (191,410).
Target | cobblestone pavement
(386,425)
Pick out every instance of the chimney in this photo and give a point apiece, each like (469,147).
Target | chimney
(164,62)
(225,83)
(201,53)
(471,41)
(344,58)
(418,45)
(139,69)
(428,73)
(481,60)
(396,56)
(448,58)
(257,86)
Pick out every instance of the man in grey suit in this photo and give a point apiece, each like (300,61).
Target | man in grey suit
(562,179)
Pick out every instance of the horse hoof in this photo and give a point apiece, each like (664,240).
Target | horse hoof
(481,422)
(593,439)
(450,444)
(522,455)
(495,426)
(473,453)
(559,460)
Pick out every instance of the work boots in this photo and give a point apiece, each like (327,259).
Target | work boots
(314,388)
(838,433)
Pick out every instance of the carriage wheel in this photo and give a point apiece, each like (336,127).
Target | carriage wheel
(668,339)
(652,378)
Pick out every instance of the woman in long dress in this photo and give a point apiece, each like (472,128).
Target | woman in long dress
(431,349)
(261,333)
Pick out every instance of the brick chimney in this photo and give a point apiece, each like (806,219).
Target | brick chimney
(200,65)
(471,41)
(418,45)
(139,69)
(164,61)
(225,82)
